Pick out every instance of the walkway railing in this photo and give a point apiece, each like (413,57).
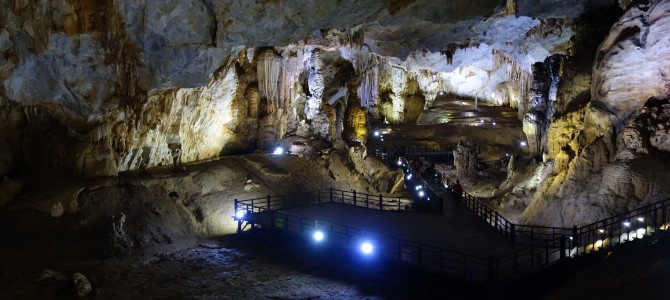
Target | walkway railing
(598,235)
(547,245)
(377,202)
(485,270)
(520,234)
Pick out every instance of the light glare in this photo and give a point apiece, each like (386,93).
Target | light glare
(240,214)
(278,151)
(367,248)
(318,235)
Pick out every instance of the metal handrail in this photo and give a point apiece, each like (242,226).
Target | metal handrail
(352,197)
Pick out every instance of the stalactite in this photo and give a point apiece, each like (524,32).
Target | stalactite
(354,37)
(291,67)
(516,74)
(268,70)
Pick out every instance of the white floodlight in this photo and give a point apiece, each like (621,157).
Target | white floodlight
(627,224)
(376,133)
(278,151)
(367,248)
(240,214)
(523,143)
(421,193)
(409,176)
(318,235)
(641,219)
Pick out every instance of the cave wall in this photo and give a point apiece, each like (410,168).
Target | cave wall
(609,155)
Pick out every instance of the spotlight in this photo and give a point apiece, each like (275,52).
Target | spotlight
(601,230)
(494,123)
(641,219)
(418,187)
(627,224)
(571,238)
(376,132)
(428,198)
(523,143)
(318,235)
(441,93)
(400,162)
(409,176)
(240,214)
(421,193)
(366,248)
(481,121)
(278,151)
(382,139)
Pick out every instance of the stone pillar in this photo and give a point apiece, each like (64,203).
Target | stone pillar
(465,160)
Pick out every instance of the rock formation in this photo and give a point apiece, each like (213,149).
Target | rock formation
(94,88)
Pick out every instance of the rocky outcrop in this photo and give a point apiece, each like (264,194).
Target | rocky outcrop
(465,160)
(631,64)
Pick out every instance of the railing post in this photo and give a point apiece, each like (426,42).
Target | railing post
(355,198)
(268,202)
(367,200)
(331,195)
(512,232)
(562,246)
(239,222)
(342,199)
(381,207)
(575,238)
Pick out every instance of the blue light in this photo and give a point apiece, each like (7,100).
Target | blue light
(318,235)
(240,214)
(421,193)
(376,132)
(409,176)
(367,248)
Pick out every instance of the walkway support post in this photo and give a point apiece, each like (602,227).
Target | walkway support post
(239,221)
(355,198)
(512,232)
(562,246)
(381,207)
(575,238)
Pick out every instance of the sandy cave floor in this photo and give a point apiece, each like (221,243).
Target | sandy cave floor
(217,268)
